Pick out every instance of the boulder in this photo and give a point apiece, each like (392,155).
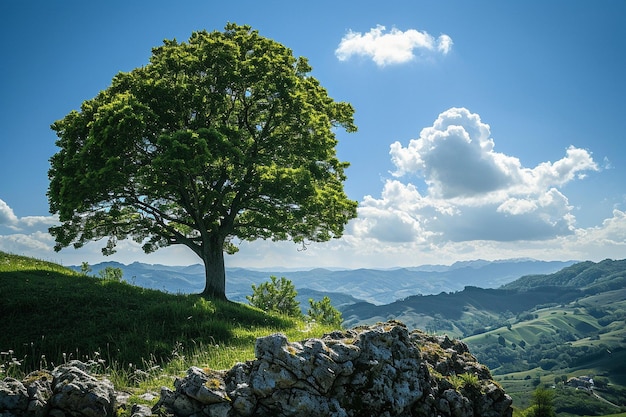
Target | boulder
(68,391)
(381,370)
(77,393)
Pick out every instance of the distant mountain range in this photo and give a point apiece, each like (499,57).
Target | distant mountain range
(344,287)
(473,309)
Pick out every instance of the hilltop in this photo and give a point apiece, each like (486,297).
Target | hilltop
(52,314)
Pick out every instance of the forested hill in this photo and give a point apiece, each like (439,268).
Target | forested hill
(589,277)
(466,312)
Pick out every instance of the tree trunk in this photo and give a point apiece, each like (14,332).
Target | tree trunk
(215,273)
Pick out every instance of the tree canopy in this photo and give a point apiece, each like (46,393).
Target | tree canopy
(224,138)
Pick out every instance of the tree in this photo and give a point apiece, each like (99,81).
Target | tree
(221,139)
(323,312)
(541,404)
(85,268)
(276,295)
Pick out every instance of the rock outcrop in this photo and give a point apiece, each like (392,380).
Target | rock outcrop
(69,390)
(381,370)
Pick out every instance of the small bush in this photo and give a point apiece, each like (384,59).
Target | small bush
(277,296)
(465,381)
(110,274)
(324,313)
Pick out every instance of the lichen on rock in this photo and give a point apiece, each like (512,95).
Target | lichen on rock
(379,370)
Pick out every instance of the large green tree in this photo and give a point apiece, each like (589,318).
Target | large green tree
(224,138)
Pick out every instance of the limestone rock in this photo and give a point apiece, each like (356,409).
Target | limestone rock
(68,391)
(380,370)
(13,397)
(77,393)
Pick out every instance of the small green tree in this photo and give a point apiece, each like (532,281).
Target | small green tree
(111,274)
(85,269)
(323,312)
(541,404)
(276,296)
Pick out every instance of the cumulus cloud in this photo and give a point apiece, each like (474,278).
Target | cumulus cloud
(472,192)
(7,217)
(28,234)
(26,224)
(393,47)
(35,244)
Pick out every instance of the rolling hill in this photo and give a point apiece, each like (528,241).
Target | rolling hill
(534,331)
(371,285)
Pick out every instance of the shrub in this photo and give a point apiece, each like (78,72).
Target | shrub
(323,312)
(85,268)
(110,274)
(276,296)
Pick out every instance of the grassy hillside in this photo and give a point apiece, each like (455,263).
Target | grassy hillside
(51,314)
(460,313)
(546,346)
(590,277)
(528,336)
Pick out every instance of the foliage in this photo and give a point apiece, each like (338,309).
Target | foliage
(277,296)
(323,312)
(85,268)
(111,273)
(570,401)
(466,381)
(226,137)
(542,403)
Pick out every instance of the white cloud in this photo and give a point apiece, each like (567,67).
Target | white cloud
(25,235)
(444,44)
(25,224)
(7,217)
(473,193)
(393,47)
(35,244)
(564,170)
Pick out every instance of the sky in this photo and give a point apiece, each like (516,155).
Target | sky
(486,130)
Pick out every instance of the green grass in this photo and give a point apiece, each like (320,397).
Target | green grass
(549,321)
(51,315)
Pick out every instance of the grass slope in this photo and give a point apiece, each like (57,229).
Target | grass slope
(51,314)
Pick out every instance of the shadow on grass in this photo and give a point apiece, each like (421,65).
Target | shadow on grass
(49,317)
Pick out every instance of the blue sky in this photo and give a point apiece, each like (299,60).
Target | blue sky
(487,129)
